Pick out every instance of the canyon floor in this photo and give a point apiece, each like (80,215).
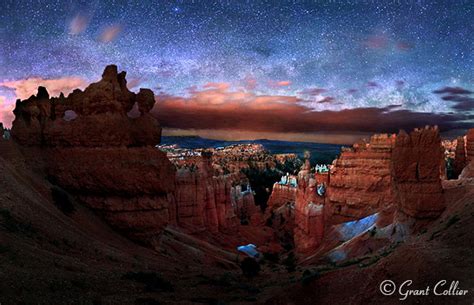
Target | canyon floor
(49,256)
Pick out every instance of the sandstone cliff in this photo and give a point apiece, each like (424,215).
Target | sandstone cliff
(360,182)
(96,150)
(281,194)
(99,144)
(416,160)
(212,202)
(468,171)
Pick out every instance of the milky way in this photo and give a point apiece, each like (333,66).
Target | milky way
(330,55)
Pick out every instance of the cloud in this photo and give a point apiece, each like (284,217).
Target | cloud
(279,84)
(403,46)
(400,84)
(459,96)
(78,24)
(219,109)
(24,88)
(372,84)
(218,86)
(6,115)
(134,82)
(327,99)
(312,91)
(110,33)
(250,83)
(376,41)
(452,90)
(466,104)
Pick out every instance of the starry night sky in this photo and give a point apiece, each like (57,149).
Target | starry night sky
(381,60)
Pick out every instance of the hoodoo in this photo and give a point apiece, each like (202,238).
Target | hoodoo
(416,160)
(93,149)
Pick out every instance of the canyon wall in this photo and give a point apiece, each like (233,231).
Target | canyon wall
(360,182)
(416,160)
(468,171)
(96,149)
(470,145)
(99,145)
(281,194)
(387,173)
(212,202)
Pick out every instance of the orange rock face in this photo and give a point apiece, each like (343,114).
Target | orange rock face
(95,117)
(208,202)
(416,160)
(309,212)
(99,153)
(281,194)
(470,145)
(468,171)
(360,181)
(100,146)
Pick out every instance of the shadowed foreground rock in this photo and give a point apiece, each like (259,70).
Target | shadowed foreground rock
(96,149)
(99,144)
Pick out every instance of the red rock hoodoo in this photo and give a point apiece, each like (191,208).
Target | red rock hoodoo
(282,193)
(470,145)
(99,144)
(416,160)
(93,149)
(212,202)
(360,181)
(309,210)
(468,171)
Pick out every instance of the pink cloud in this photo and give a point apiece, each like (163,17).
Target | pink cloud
(6,108)
(250,83)
(110,33)
(218,86)
(24,88)
(134,82)
(279,84)
(403,46)
(78,24)
(378,41)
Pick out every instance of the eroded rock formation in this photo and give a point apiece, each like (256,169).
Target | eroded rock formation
(99,144)
(281,194)
(212,202)
(96,151)
(416,160)
(470,145)
(95,117)
(309,210)
(360,180)
(468,171)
